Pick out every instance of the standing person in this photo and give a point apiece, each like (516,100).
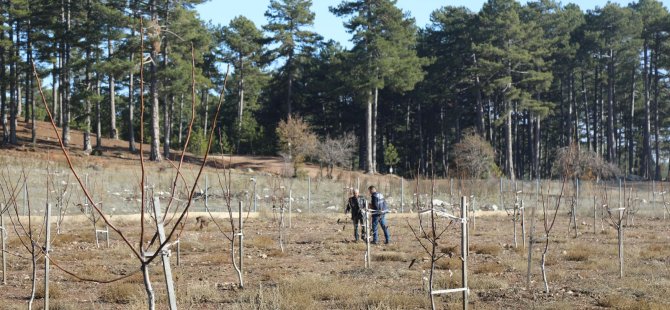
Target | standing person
(355,204)
(379,210)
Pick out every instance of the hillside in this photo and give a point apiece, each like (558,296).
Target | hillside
(115,152)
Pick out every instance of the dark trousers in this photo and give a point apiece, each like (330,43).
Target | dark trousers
(358,220)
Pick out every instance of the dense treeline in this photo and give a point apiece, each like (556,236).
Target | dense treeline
(529,79)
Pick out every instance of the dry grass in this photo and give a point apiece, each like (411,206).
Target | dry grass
(489,268)
(578,253)
(120,293)
(619,301)
(263,242)
(277,253)
(200,293)
(485,282)
(656,252)
(55,291)
(56,305)
(389,257)
(486,248)
(449,263)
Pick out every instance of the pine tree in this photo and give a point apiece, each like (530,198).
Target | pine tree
(244,49)
(384,54)
(287,20)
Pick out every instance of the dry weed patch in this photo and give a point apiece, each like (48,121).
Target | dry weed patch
(55,291)
(578,253)
(201,293)
(656,252)
(120,293)
(262,242)
(489,249)
(449,263)
(389,257)
(489,268)
(486,282)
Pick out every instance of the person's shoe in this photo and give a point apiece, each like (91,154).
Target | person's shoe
(373,242)
(387,242)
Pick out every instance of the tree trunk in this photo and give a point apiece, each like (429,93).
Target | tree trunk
(30,103)
(657,174)
(480,105)
(112,95)
(537,149)
(65,17)
(645,163)
(289,91)
(131,90)
(3,93)
(368,136)
(610,108)
(98,118)
(87,103)
(240,108)
(181,119)
(54,90)
(587,116)
(375,108)
(205,98)
(509,153)
(154,38)
(630,138)
(13,113)
(167,115)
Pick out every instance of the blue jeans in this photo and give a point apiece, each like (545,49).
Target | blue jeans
(381,220)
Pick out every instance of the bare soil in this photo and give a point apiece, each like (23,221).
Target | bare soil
(321,268)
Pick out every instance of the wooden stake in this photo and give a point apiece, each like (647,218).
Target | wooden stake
(402,195)
(530,247)
(523,224)
(309,194)
(241,241)
(620,235)
(165,256)
(464,250)
(594,215)
(3,236)
(47,249)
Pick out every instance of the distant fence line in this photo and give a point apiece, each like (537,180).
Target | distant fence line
(119,190)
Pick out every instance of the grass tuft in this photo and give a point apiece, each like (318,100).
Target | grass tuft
(120,293)
(488,249)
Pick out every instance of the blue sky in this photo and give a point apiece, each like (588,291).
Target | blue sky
(329,26)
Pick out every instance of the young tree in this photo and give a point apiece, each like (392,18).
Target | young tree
(296,140)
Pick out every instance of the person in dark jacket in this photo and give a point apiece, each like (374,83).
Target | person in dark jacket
(355,204)
(379,210)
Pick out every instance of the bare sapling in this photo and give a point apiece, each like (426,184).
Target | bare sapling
(138,249)
(428,238)
(549,219)
(574,200)
(531,241)
(235,231)
(62,196)
(27,234)
(615,218)
(516,213)
(279,206)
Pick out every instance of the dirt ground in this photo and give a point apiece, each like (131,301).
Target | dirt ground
(321,268)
